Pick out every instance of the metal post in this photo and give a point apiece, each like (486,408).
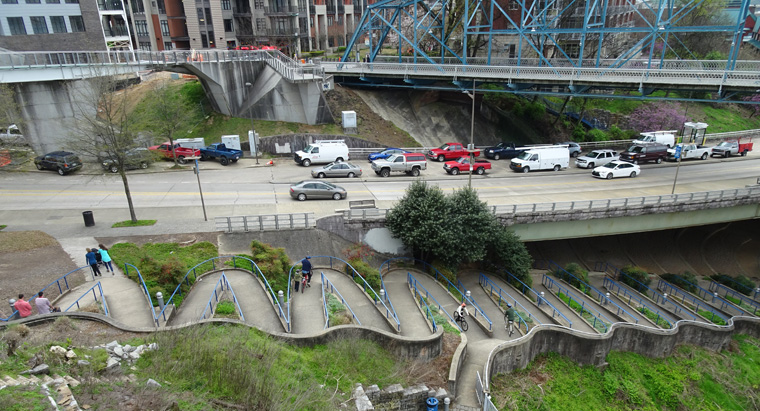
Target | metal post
(200,190)
(541,298)
(160,298)
(281,296)
(472,131)
(250,112)
(13,310)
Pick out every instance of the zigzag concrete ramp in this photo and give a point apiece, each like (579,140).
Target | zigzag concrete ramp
(306,309)
(539,315)
(362,306)
(194,301)
(254,301)
(413,323)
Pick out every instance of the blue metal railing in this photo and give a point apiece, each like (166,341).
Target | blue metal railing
(539,300)
(383,299)
(421,301)
(754,306)
(475,304)
(238,262)
(714,298)
(486,282)
(596,319)
(448,284)
(630,298)
(414,284)
(144,289)
(686,297)
(61,288)
(601,297)
(94,295)
(333,289)
(215,295)
(741,287)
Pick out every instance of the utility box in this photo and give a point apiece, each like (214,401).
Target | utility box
(253,142)
(191,142)
(232,141)
(349,122)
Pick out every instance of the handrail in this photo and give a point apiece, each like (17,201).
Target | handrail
(95,296)
(714,286)
(610,284)
(751,290)
(641,288)
(674,291)
(215,295)
(539,300)
(474,304)
(324,303)
(144,289)
(60,290)
(333,289)
(421,301)
(449,285)
(600,295)
(483,279)
(582,303)
(412,281)
(712,297)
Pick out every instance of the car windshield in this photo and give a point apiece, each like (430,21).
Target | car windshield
(308,149)
(610,165)
(724,144)
(393,158)
(444,147)
(524,155)
(593,154)
(635,149)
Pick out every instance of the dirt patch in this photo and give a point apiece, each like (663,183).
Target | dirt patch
(185,239)
(436,373)
(24,241)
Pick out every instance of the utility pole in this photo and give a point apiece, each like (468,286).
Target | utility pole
(248,87)
(472,132)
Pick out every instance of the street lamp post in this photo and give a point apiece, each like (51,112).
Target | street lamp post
(250,113)
(472,131)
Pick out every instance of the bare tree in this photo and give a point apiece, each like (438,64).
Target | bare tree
(103,126)
(168,111)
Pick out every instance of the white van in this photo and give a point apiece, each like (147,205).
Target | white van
(542,158)
(322,151)
(667,137)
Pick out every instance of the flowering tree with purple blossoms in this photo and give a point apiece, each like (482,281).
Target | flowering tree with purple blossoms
(658,116)
(755,98)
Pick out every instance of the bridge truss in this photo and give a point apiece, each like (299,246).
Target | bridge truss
(600,34)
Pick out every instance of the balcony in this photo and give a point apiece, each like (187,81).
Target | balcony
(281,11)
(341,9)
(242,13)
(312,9)
(107,5)
(330,9)
(281,32)
(117,31)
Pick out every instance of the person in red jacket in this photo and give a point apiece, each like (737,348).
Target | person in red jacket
(23,307)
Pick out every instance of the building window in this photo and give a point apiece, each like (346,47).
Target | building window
(141,27)
(226,5)
(258,4)
(330,20)
(72,1)
(513,5)
(168,45)
(16,24)
(10,1)
(58,23)
(228,25)
(144,45)
(76,22)
(53,1)
(164,28)
(33,2)
(261,24)
(39,25)
(137,7)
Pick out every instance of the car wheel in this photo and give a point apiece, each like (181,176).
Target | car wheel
(114,169)
(526,170)
(351,175)
(496,156)
(590,165)
(61,172)
(301,197)
(480,171)
(39,166)
(416,172)
(557,167)
(704,156)
(575,154)
(306,162)
(609,176)
(181,160)
(725,155)
(633,174)
(336,196)
(659,160)
(203,157)
(441,158)
(224,160)
(744,153)
(385,172)
(321,175)
(339,159)
(454,171)
(635,161)
(144,165)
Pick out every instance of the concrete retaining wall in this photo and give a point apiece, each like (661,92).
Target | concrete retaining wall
(278,144)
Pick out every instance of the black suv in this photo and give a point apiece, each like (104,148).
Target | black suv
(641,153)
(61,161)
(135,158)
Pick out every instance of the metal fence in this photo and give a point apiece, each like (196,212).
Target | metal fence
(330,288)
(96,290)
(217,294)
(265,222)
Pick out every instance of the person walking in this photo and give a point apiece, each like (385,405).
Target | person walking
(297,277)
(106,258)
(98,257)
(306,269)
(43,305)
(90,256)
(23,307)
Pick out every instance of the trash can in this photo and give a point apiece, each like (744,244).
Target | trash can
(432,404)
(89,219)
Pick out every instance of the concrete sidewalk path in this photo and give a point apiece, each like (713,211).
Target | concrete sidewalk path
(306,309)
(254,301)
(194,301)
(515,295)
(413,323)
(357,299)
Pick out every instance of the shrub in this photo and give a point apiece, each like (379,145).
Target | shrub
(577,271)
(225,308)
(449,273)
(685,281)
(371,275)
(535,111)
(637,273)
(746,287)
(273,263)
(579,133)
(596,135)
(341,49)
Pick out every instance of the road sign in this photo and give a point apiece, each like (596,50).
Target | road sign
(678,152)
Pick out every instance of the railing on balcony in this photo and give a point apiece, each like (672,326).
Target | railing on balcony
(110,5)
(312,9)
(117,31)
(287,32)
(284,9)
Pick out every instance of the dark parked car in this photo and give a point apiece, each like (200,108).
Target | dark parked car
(641,153)
(385,154)
(133,159)
(63,162)
(503,150)
(316,189)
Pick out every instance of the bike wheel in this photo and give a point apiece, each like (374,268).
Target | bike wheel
(463,324)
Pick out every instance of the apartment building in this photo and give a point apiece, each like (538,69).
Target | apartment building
(70,25)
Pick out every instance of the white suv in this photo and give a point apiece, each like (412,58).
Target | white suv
(596,158)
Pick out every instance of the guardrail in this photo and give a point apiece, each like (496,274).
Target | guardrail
(675,291)
(603,300)
(421,302)
(265,222)
(412,282)
(333,289)
(596,319)
(526,290)
(740,285)
(743,299)
(459,296)
(144,290)
(475,304)
(711,297)
(630,299)
(215,295)
(94,295)
(486,282)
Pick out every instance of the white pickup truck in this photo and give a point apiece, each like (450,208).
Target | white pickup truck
(690,151)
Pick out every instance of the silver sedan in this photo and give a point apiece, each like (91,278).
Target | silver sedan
(305,190)
(337,169)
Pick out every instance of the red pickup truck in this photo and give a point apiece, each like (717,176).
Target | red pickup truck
(462,164)
(182,152)
(450,151)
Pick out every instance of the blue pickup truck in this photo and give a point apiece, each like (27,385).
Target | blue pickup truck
(503,150)
(220,151)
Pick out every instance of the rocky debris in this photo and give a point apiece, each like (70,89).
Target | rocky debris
(40,369)
(152,383)
(83,363)
(63,396)
(58,350)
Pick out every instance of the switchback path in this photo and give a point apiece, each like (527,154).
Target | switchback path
(413,323)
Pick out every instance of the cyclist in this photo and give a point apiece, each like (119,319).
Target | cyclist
(306,270)
(509,315)
(461,311)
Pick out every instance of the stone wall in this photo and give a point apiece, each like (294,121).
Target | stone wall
(396,398)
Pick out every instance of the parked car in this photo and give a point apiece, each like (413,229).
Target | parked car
(63,162)
(220,151)
(573,148)
(616,168)
(182,152)
(139,157)
(338,169)
(385,154)
(596,158)
(450,151)
(503,150)
(729,148)
(641,153)
(689,151)
(409,163)
(305,190)
(462,164)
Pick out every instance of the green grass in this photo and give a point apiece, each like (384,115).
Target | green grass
(738,302)
(710,317)
(596,323)
(654,317)
(23,398)
(225,309)
(130,223)
(2,226)
(691,379)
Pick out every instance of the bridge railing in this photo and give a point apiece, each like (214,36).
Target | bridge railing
(216,295)
(740,287)
(144,289)
(503,298)
(265,222)
(532,294)
(713,298)
(416,286)
(421,301)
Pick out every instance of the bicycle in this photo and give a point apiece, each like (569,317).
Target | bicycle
(461,321)
(509,326)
